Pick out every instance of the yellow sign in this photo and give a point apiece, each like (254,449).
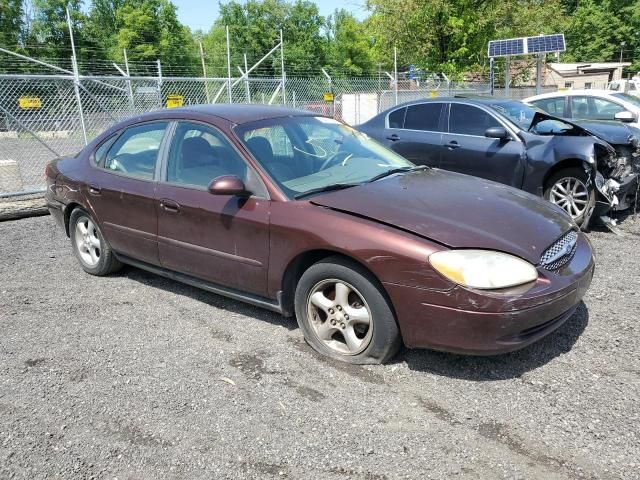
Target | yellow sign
(328,97)
(27,103)
(433,93)
(174,101)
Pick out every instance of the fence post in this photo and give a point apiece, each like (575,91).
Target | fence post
(284,75)
(204,73)
(246,81)
(229,68)
(159,83)
(333,102)
(76,79)
(395,74)
(507,63)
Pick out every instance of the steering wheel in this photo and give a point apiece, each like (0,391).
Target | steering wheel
(334,159)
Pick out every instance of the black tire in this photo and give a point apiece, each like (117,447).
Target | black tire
(107,262)
(582,220)
(384,340)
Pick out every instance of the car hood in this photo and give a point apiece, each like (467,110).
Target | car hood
(456,210)
(613,132)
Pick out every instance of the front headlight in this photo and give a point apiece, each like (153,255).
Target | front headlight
(483,269)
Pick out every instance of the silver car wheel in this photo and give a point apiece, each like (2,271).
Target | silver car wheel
(571,194)
(340,317)
(87,242)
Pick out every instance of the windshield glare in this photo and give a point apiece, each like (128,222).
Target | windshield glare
(627,98)
(309,153)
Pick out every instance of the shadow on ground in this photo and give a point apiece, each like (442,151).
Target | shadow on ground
(212,299)
(500,367)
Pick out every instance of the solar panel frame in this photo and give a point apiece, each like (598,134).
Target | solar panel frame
(527,45)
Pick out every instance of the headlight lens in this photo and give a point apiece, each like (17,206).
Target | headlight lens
(483,269)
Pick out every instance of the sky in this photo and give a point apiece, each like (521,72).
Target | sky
(200,14)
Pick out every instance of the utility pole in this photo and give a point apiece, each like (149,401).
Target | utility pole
(622,44)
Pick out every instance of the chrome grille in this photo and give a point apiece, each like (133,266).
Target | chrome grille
(561,252)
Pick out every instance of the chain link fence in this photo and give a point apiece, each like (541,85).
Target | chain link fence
(47,116)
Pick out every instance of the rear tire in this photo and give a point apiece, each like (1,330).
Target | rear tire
(572,191)
(344,314)
(89,245)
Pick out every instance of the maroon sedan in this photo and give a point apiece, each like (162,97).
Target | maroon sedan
(303,215)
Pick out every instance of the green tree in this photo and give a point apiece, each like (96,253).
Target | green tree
(149,30)
(350,45)
(11,22)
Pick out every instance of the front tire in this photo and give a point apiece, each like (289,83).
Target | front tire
(89,245)
(343,313)
(572,191)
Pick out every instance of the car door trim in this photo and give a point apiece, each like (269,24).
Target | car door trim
(130,231)
(269,304)
(209,251)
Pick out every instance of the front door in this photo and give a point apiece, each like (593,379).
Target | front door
(223,239)
(465,148)
(122,191)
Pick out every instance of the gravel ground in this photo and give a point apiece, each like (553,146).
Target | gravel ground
(136,376)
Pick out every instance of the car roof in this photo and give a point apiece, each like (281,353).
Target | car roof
(243,113)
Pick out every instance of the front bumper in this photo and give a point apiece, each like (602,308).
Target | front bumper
(497,323)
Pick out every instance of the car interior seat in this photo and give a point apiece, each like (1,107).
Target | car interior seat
(261,149)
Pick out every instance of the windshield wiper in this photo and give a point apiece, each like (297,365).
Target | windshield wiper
(326,188)
(397,170)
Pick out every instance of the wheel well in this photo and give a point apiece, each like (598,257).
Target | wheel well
(67,215)
(569,163)
(298,266)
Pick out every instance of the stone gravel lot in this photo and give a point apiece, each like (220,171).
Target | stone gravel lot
(136,376)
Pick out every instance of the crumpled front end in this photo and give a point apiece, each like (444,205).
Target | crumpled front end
(616,178)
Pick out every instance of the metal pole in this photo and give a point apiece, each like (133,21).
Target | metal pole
(293,98)
(204,73)
(395,74)
(76,78)
(491,76)
(159,83)
(506,75)
(246,81)
(126,67)
(284,75)
(539,75)
(228,67)
(333,106)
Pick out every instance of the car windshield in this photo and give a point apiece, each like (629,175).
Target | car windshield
(517,112)
(627,98)
(304,155)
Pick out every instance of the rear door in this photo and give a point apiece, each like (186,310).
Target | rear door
(415,132)
(466,149)
(122,190)
(223,239)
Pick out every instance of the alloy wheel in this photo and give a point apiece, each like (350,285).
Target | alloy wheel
(571,194)
(87,241)
(340,317)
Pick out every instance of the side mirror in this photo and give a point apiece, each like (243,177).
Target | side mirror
(626,117)
(228,185)
(497,132)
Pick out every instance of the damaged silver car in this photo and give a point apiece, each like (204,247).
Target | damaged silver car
(587,170)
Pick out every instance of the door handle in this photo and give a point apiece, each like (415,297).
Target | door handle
(94,190)
(393,137)
(169,206)
(453,145)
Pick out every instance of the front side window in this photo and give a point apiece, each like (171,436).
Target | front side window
(306,154)
(199,153)
(424,116)
(135,151)
(470,120)
(627,98)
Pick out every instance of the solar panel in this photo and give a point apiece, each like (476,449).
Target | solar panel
(546,43)
(502,48)
(528,45)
